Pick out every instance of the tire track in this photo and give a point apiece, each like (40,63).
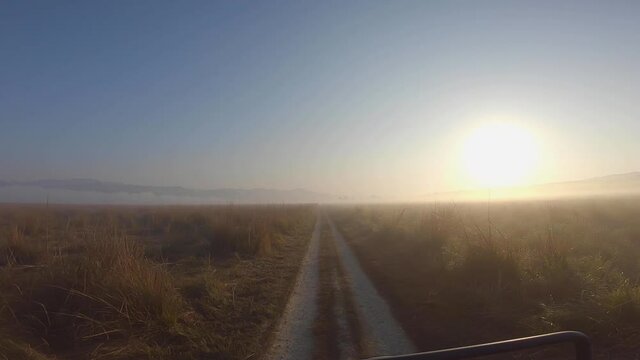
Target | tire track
(294,335)
(382,334)
(334,336)
(335,312)
(327,327)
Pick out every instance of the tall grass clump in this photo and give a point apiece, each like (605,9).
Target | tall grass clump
(236,231)
(107,297)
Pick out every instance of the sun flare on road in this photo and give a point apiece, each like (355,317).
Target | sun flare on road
(499,155)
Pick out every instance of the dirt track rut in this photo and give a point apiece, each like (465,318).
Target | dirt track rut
(334,305)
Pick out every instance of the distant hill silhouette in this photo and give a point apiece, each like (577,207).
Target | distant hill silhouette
(67,191)
(90,191)
(609,185)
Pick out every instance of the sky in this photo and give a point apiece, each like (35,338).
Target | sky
(354,98)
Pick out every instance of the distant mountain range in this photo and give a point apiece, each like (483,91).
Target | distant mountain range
(610,185)
(89,191)
(95,191)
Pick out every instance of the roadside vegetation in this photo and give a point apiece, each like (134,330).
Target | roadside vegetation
(458,274)
(145,282)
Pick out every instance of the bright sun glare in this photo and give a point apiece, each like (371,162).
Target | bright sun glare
(500,154)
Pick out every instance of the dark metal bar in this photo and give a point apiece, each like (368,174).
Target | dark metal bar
(580,341)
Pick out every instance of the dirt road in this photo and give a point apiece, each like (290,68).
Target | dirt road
(294,336)
(335,311)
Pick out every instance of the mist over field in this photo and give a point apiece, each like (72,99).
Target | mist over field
(87,191)
(611,186)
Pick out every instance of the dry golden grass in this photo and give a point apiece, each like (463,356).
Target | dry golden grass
(454,278)
(124,282)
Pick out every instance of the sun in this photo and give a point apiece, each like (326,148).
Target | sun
(500,154)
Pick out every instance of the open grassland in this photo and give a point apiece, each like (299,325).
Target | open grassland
(146,282)
(466,273)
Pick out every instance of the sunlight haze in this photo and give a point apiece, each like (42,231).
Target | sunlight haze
(362,99)
(500,154)
(319,180)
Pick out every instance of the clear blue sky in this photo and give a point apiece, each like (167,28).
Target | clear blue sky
(361,97)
